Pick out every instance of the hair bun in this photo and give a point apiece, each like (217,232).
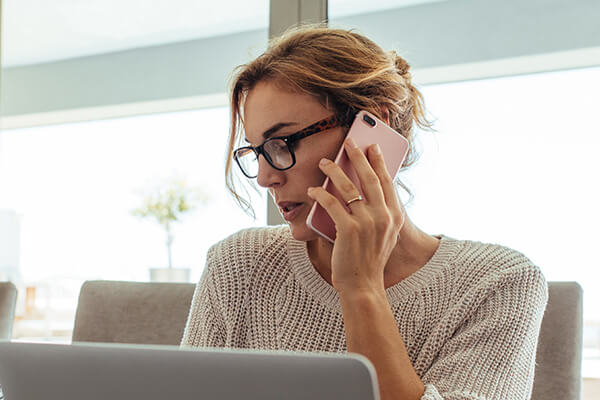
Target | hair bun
(401,65)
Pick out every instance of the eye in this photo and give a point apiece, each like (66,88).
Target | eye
(277,145)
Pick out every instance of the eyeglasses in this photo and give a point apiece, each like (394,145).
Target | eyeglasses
(279,151)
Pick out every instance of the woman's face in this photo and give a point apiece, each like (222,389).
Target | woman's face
(269,104)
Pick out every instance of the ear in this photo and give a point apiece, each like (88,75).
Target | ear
(385,114)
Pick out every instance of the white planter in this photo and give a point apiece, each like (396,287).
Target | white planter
(169,274)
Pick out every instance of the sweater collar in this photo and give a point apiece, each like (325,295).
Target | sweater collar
(310,279)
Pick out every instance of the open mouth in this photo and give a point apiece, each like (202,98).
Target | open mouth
(290,207)
(289,210)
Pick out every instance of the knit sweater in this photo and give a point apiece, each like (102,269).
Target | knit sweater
(469,318)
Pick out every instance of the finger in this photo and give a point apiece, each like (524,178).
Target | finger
(343,185)
(331,204)
(387,184)
(369,181)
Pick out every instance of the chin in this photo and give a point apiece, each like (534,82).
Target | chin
(302,232)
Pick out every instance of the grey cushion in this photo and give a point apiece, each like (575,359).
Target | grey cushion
(132,312)
(8,300)
(558,370)
(156,313)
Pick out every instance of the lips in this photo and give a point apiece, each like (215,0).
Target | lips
(287,205)
(289,209)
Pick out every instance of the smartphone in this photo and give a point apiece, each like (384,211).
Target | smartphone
(366,129)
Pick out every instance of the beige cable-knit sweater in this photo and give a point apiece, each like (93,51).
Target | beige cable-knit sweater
(470,317)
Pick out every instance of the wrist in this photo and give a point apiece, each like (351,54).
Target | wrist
(363,297)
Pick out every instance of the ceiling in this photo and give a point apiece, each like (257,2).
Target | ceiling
(37,31)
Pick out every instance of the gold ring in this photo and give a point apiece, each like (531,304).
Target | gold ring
(357,198)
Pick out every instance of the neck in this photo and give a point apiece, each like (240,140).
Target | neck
(413,249)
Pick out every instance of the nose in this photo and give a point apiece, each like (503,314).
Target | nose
(268,176)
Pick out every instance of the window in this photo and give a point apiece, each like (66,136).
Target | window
(515,162)
(74,185)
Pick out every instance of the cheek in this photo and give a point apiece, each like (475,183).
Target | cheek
(310,172)
(310,156)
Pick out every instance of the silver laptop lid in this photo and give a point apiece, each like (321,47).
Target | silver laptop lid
(31,371)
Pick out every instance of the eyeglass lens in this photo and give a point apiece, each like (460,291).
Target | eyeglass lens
(278,155)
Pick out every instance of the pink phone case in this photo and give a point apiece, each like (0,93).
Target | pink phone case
(365,130)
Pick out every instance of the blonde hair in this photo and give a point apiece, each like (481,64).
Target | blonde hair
(344,70)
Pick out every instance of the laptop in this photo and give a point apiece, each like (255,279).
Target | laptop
(35,371)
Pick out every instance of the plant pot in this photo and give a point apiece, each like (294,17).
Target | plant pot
(169,274)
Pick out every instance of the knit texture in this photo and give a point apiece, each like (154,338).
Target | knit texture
(469,318)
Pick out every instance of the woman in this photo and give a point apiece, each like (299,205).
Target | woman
(437,317)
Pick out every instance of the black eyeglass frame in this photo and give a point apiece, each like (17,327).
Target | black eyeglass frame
(319,126)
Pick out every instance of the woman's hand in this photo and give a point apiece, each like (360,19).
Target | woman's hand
(366,236)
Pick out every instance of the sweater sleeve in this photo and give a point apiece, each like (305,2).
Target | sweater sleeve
(205,326)
(492,353)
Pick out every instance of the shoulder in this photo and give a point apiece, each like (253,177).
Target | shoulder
(230,262)
(246,244)
(487,267)
(492,259)
(237,254)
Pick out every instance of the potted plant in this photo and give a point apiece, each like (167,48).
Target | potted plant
(167,204)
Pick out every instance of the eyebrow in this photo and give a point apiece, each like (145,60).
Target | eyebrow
(273,130)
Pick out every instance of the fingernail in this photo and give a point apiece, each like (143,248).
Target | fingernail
(351,143)
(324,161)
(377,149)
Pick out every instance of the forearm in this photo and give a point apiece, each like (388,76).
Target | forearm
(371,331)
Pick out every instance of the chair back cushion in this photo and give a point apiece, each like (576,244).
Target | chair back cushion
(8,301)
(558,360)
(156,313)
(132,312)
